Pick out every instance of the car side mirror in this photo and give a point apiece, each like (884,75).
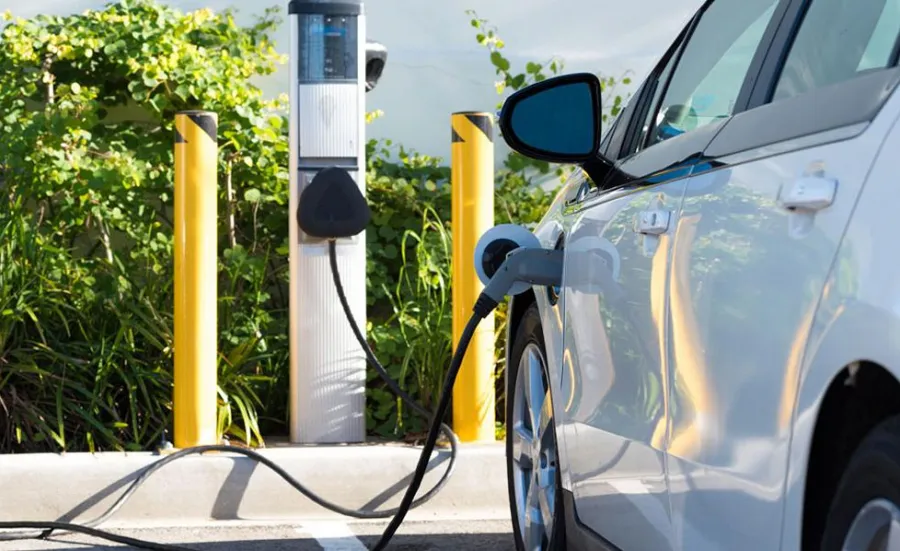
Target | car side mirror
(556,120)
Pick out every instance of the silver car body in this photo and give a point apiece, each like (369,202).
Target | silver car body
(704,318)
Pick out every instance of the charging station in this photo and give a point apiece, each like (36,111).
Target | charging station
(328,197)
(332,66)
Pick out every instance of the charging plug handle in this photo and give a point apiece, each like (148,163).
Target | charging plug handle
(542,267)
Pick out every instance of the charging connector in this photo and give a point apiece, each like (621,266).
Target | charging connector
(537,267)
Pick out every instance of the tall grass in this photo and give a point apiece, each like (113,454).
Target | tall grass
(416,340)
(79,367)
(423,306)
(86,351)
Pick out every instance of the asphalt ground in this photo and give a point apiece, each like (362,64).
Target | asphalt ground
(433,535)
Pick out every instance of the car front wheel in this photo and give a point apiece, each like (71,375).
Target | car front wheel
(531,450)
(865,513)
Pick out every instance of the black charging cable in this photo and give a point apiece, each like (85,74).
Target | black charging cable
(483,307)
(382,372)
(44,529)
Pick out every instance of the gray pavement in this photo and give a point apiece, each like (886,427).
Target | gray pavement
(436,535)
(228,486)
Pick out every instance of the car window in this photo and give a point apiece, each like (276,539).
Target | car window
(837,40)
(657,95)
(713,67)
(884,37)
(608,134)
(614,146)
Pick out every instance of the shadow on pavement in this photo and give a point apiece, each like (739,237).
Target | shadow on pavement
(230,496)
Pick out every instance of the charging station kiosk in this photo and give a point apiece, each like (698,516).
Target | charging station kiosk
(331,68)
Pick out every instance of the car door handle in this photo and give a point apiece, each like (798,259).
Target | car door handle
(652,222)
(811,193)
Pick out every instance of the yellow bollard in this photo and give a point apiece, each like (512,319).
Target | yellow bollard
(196,274)
(472,181)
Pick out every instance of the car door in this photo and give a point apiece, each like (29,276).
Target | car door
(618,255)
(752,247)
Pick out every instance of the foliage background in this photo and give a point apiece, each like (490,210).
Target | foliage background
(86,110)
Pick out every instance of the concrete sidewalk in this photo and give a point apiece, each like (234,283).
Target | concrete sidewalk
(482,535)
(81,486)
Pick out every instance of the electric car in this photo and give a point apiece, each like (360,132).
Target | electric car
(719,368)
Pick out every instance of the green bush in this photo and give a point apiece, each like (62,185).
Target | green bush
(409,275)
(87,104)
(412,199)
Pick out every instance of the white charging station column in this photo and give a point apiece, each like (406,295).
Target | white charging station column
(327,128)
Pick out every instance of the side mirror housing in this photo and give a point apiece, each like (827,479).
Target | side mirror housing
(376,59)
(556,120)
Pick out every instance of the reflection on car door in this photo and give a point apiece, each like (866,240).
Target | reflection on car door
(616,262)
(752,249)
(617,268)
(747,273)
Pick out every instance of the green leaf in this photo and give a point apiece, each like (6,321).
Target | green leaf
(182,91)
(500,62)
(252,196)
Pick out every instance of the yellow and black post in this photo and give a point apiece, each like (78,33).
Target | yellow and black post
(196,274)
(472,181)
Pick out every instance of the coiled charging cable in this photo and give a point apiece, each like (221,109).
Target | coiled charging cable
(44,529)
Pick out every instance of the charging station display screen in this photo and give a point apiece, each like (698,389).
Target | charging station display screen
(329,48)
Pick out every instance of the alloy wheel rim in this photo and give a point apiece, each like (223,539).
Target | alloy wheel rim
(534,455)
(875,528)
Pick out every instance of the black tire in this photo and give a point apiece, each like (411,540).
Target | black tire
(873,472)
(529,332)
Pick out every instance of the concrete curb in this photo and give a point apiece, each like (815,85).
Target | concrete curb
(81,486)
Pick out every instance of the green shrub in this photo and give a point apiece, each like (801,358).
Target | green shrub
(87,104)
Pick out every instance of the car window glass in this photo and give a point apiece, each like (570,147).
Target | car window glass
(657,94)
(837,40)
(712,69)
(881,45)
(607,131)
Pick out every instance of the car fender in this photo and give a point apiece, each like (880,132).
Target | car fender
(549,230)
(858,318)
(856,331)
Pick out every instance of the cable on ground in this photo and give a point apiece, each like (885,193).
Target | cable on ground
(44,529)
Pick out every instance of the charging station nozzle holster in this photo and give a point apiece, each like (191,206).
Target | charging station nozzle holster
(332,206)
